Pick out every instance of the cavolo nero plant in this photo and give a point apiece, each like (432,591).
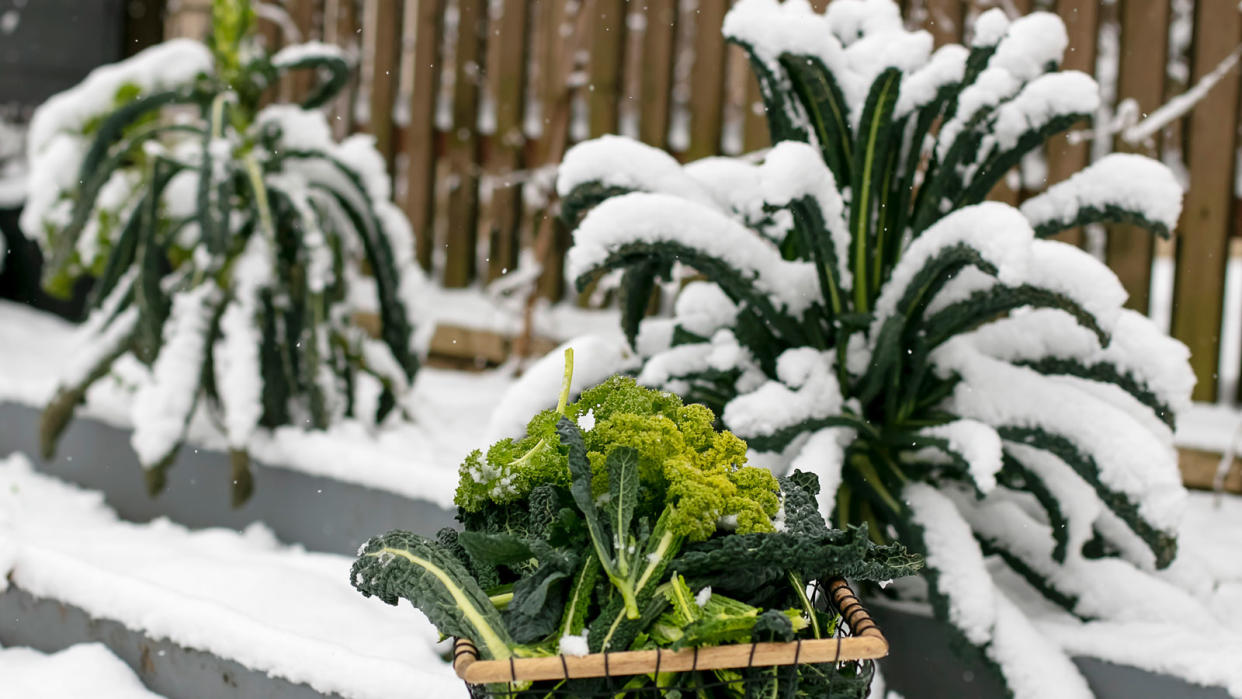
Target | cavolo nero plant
(226,241)
(625,520)
(956,379)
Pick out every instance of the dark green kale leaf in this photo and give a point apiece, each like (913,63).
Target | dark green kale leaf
(401,565)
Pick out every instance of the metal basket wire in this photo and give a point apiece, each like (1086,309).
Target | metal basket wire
(840,667)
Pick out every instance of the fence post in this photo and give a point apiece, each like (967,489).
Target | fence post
(463,149)
(1200,280)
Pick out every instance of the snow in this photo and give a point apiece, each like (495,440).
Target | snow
(164,66)
(823,454)
(237,595)
(703,308)
(618,161)
(997,232)
(850,20)
(295,53)
(575,645)
(1137,348)
(950,550)
(1130,460)
(165,403)
(1029,45)
(236,354)
(946,67)
(1042,100)
(1131,182)
(1076,274)
(1033,666)
(793,171)
(644,218)
(977,443)
(990,28)
(807,389)
(855,41)
(83,670)
(702,596)
(55,145)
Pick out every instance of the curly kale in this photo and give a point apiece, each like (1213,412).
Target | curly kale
(627,520)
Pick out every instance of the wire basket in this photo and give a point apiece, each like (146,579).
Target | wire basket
(842,665)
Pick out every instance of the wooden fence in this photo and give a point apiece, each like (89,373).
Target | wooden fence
(471,101)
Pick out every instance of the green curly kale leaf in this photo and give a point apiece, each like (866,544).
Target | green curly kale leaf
(401,565)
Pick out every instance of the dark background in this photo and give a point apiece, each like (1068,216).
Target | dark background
(51,46)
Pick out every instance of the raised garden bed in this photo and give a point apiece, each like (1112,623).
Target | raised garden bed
(166,668)
(321,513)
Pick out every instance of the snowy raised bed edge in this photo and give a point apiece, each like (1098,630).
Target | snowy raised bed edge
(276,610)
(397,475)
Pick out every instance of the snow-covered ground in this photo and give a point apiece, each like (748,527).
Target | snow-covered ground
(239,595)
(84,670)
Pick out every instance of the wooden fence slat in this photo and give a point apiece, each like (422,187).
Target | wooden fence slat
(604,66)
(381,29)
(420,134)
(707,80)
(302,13)
(755,128)
(657,68)
(340,24)
(944,21)
(463,148)
(506,86)
(1144,34)
(1065,158)
(570,22)
(1200,278)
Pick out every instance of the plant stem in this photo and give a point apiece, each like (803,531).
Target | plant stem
(569,375)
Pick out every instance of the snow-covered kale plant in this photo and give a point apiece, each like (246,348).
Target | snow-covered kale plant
(226,242)
(955,378)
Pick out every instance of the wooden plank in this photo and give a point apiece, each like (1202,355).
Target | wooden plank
(570,23)
(420,134)
(302,13)
(737,80)
(657,71)
(506,86)
(1199,470)
(463,147)
(755,129)
(707,81)
(340,25)
(1065,158)
(604,67)
(381,46)
(944,19)
(1144,41)
(1199,284)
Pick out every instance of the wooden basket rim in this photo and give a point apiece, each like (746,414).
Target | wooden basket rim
(866,643)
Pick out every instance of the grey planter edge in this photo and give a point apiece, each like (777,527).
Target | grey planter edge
(166,668)
(320,513)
